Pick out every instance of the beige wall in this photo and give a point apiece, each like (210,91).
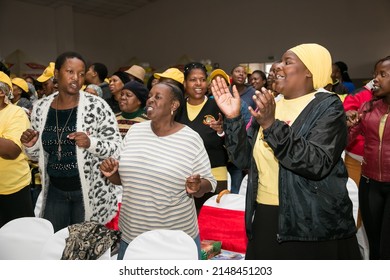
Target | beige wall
(228,32)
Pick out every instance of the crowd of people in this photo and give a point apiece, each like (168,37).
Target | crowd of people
(135,153)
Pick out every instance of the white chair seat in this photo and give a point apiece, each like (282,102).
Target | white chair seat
(53,248)
(162,245)
(24,238)
(229,201)
(353,193)
(243,186)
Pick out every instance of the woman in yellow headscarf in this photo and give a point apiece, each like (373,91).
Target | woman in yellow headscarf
(297,201)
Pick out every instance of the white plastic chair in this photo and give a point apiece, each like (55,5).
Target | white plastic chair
(55,245)
(38,204)
(24,238)
(243,187)
(227,200)
(162,244)
(353,193)
(229,182)
(363,243)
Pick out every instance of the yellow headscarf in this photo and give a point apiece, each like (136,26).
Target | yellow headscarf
(318,61)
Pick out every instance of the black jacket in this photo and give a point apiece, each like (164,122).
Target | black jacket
(313,198)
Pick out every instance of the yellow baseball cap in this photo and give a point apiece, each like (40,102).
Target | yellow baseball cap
(47,74)
(5,79)
(20,83)
(171,73)
(219,72)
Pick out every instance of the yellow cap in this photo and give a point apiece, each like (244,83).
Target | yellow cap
(171,73)
(5,79)
(20,83)
(219,72)
(47,74)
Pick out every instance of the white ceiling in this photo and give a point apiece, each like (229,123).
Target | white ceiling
(99,8)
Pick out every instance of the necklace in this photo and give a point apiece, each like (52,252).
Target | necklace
(59,135)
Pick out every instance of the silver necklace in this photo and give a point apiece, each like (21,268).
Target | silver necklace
(59,135)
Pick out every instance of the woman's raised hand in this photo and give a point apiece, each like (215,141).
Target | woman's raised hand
(265,111)
(229,104)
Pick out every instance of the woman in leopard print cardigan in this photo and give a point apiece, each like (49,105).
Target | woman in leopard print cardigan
(70,152)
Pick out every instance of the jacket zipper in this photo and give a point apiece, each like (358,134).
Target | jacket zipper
(380,160)
(382,120)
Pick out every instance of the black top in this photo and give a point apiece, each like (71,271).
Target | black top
(213,143)
(66,166)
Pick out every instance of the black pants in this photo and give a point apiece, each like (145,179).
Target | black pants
(374,202)
(16,205)
(264,244)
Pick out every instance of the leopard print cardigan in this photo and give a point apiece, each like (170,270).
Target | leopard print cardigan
(96,118)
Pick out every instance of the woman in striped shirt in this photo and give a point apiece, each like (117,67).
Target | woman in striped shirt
(162,165)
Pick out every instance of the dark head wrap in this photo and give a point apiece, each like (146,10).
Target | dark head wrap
(122,76)
(139,90)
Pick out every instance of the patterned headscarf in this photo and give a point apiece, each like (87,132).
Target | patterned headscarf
(96,88)
(88,241)
(318,61)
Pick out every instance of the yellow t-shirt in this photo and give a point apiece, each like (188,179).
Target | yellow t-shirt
(193,110)
(382,125)
(15,174)
(220,173)
(267,164)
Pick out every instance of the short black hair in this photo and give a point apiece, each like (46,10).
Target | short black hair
(149,82)
(194,65)
(234,68)
(177,95)
(101,70)
(64,56)
(172,81)
(343,67)
(381,60)
(263,76)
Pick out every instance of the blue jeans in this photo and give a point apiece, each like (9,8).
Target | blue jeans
(123,246)
(34,194)
(64,208)
(236,176)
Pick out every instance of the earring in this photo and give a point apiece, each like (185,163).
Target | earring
(172,112)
